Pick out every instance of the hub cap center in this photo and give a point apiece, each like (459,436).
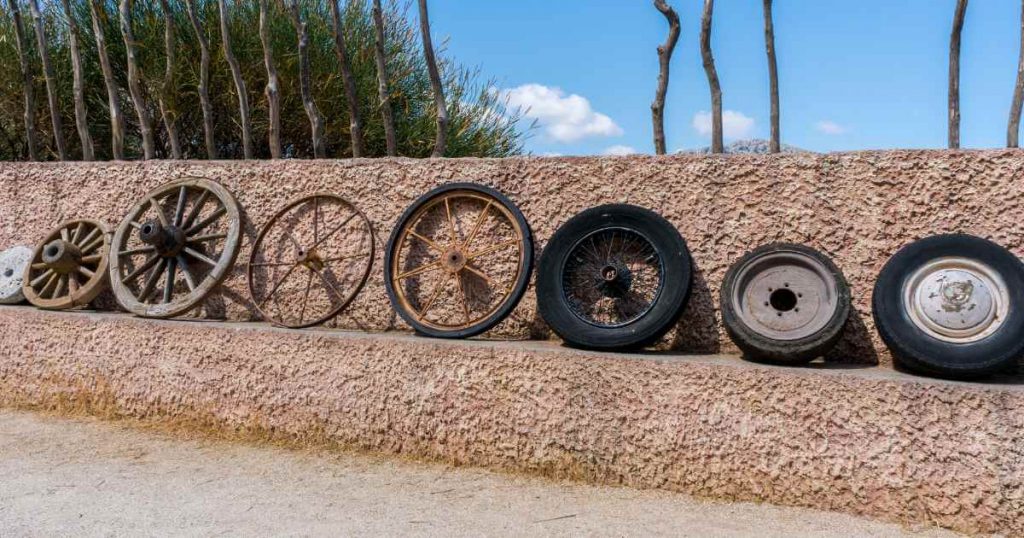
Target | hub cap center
(453,260)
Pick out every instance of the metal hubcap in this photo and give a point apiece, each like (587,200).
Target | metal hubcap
(454,260)
(956,299)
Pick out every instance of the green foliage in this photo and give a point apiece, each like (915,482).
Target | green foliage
(479,126)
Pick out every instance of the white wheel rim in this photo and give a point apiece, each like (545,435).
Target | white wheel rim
(956,300)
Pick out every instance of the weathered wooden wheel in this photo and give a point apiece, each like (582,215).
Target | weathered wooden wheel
(458,261)
(69,267)
(174,247)
(310,261)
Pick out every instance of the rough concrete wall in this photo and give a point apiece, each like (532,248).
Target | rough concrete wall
(858,207)
(862,440)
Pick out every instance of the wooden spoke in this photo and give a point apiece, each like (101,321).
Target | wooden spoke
(465,301)
(179,210)
(89,237)
(50,283)
(207,221)
(151,280)
(96,243)
(135,225)
(451,221)
(437,293)
(145,266)
(208,237)
(159,212)
(86,272)
(186,271)
(419,270)
(492,248)
(199,256)
(479,273)
(92,258)
(41,278)
(140,250)
(429,243)
(73,285)
(78,233)
(196,209)
(39,266)
(305,296)
(479,223)
(169,286)
(62,284)
(65,234)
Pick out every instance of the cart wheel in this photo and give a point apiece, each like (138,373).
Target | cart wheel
(951,306)
(174,247)
(329,242)
(614,277)
(458,261)
(13,262)
(69,268)
(785,303)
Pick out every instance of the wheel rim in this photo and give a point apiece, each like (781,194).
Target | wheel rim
(956,299)
(612,277)
(335,254)
(175,247)
(785,295)
(69,267)
(457,259)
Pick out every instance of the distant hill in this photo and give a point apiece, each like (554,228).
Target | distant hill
(756,146)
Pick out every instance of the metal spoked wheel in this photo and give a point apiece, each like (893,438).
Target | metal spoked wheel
(69,267)
(310,261)
(174,247)
(785,303)
(458,261)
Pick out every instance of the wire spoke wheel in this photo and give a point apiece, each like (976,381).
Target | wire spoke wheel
(69,267)
(310,261)
(459,260)
(174,247)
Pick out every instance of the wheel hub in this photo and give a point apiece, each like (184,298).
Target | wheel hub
(168,241)
(311,259)
(614,280)
(454,260)
(956,300)
(785,295)
(61,256)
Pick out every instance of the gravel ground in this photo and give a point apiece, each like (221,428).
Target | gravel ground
(61,477)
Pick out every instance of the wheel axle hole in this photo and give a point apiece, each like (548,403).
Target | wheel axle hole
(51,251)
(783,300)
(147,229)
(8,272)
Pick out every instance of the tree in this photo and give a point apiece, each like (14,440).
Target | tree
(954,74)
(135,81)
(236,74)
(437,89)
(664,59)
(204,79)
(169,90)
(26,81)
(51,80)
(775,145)
(351,98)
(1013,129)
(709,68)
(117,128)
(382,80)
(316,121)
(78,88)
(273,83)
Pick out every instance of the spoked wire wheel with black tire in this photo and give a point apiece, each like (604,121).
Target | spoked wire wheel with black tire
(310,260)
(784,303)
(458,261)
(951,306)
(68,268)
(175,247)
(614,277)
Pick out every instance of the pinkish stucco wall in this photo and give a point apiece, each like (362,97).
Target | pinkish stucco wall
(858,207)
(862,440)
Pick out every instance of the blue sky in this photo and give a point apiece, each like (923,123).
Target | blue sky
(854,74)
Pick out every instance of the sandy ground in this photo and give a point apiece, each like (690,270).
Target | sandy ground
(61,477)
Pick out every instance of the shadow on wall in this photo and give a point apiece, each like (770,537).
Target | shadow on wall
(697,329)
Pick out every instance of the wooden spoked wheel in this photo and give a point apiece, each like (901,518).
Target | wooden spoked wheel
(69,267)
(458,261)
(174,247)
(310,261)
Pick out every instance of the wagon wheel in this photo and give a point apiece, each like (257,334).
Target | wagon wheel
(309,262)
(458,261)
(174,247)
(69,267)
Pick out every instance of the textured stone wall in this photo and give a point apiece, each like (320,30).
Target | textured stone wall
(862,440)
(858,207)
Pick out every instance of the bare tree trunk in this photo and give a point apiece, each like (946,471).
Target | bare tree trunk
(355,122)
(81,113)
(236,74)
(775,145)
(168,92)
(204,79)
(1013,128)
(441,142)
(134,82)
(117,127)
(273,98)
(954,74)
(382,81)
(26,81)
(51,81)
(709,67)
(316,121)
(664,59)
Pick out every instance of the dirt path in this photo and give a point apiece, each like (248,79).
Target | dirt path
(87,478)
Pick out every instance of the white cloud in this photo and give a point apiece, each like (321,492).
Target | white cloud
(829,127)
(564,118)
(620,150)
(734,124)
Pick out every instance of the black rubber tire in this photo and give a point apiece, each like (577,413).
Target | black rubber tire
(916,350)
(517,290)
(667,307)
(761,348)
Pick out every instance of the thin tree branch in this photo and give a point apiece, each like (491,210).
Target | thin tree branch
(382,80)
(51,80)
(664,59)
(78,86)
(441,139)
(351,98)
(236,75)
(135,81)
(717,145)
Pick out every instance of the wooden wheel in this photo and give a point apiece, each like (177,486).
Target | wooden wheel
(309,262)
(174,247)
(458,261)
(69,267)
